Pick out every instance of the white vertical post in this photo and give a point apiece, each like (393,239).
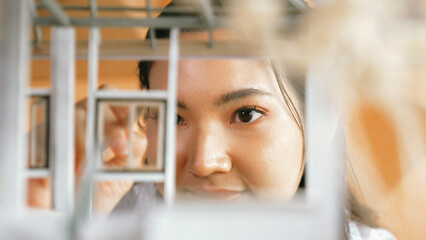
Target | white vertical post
(325,154)
(62,116)
(85,193)
(92,84)
(14,57)
(92,81)
(170,163)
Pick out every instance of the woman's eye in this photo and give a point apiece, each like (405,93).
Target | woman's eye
(179,120)
(247,115)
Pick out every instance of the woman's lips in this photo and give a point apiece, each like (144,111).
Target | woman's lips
(220,194)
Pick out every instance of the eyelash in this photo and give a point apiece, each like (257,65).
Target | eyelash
(246,108)
(178,119)
(250,109)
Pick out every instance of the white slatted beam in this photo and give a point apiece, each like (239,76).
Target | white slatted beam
(56,10)
(38,92)
(84,204)
(170,161)
(130,176)
(62,117)
(37,173)
(14,65)
(130,95)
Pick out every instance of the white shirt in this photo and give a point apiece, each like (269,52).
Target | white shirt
(358,231)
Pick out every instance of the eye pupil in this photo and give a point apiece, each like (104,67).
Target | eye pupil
(245,116)
(179,120)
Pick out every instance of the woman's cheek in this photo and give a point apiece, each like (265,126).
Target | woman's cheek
(269,160)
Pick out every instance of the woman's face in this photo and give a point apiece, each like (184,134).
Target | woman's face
(235,134)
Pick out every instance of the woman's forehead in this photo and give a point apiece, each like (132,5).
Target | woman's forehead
(214,73)
(218,74)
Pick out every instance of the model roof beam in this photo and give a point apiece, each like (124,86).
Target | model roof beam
(57,12)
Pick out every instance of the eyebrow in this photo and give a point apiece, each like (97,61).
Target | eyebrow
(181,104)
(239,94)
(232,96)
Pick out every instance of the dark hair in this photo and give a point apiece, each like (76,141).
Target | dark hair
(289,81)
(145,66)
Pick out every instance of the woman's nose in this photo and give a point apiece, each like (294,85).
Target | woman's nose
(209,153)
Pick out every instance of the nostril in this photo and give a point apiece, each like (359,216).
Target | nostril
(208,153)
(205,167)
